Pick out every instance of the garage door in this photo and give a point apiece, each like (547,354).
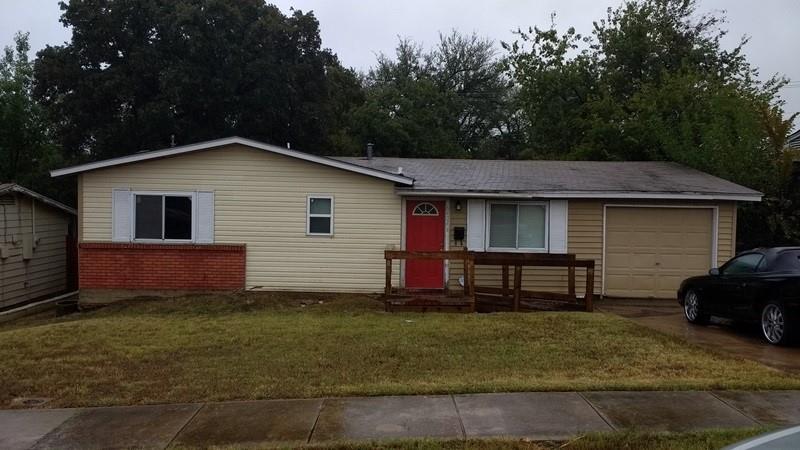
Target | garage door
(649,251)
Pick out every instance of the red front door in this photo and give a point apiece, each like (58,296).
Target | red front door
(424,232)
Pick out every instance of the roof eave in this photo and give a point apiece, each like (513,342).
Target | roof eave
(15,188)
(174,151)
(743,197)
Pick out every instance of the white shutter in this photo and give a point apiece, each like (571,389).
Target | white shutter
(121,215)
(476,225)
(558,226)
(205,217)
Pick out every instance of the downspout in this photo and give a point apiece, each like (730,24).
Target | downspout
(33,222)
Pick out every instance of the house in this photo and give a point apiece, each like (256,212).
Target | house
(793,140)
(37,246)
(235,213)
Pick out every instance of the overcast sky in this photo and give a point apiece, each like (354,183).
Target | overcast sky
(357,30)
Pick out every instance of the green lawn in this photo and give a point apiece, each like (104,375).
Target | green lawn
(702,440)
(255,346)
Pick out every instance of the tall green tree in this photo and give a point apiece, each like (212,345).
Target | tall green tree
(137,72)
(557,80)
(26,147)
(405,113)
(448,102)
(653,82)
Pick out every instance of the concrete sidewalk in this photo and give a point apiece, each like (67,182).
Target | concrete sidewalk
(536,415)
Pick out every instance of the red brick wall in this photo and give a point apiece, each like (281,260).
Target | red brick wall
(161,267)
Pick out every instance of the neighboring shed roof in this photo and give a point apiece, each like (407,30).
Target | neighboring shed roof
(174,151)
(793,141)
(562,179)
(9,188)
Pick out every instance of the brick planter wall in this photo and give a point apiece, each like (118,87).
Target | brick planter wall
(161,267)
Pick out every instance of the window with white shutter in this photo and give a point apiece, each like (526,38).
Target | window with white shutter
(205,217)
(170,217)
(121,215)
(558,226)
(476,225)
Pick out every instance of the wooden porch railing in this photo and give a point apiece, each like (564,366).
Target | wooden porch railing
(520,260)
(505,260)
(462,255)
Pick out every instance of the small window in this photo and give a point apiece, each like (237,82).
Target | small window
(320,216)
(425,209)
(517,226)
(163,217)
(743,264)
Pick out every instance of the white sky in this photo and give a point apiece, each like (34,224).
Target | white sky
(357,30)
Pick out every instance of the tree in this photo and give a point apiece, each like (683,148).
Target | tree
(405,113)
(449,102)
(776,220)
(466,67)
(346,93)
(138,72)
(26,148)
(555,90)
(653,82)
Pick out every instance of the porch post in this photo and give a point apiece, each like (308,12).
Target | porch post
(505,280)
(388,288)
(571,278)
(590,287)
(471,262)
(517,286)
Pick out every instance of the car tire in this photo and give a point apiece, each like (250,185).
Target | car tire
(775,327)
(692,308)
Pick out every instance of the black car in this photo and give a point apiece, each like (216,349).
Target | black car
(761,285)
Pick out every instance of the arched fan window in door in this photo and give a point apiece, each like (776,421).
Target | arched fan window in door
(426,209)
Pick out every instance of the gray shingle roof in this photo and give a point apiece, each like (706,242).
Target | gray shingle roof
(9,188)
(558,178)
(793,141)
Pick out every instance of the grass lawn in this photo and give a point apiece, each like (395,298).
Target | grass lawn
(702,440)
(273,345)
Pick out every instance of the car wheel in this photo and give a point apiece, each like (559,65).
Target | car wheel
(692,309)
(774,326)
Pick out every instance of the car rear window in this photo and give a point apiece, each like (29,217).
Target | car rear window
(789,260)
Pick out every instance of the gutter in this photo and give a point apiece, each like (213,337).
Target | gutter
(755,197)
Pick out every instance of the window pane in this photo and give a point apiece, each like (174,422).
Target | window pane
(177,218)
(743,264)
(320,206)
(319,225)
(788,260)
(531,226)
(503,226)
(148,217)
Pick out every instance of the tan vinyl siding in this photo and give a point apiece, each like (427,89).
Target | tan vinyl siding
(727,232)
(457,219)
(44,273)
(260,200)
(585,240)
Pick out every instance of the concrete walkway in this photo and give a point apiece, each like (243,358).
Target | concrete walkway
(538,416)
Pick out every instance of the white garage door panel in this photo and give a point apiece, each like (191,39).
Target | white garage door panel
(649,251)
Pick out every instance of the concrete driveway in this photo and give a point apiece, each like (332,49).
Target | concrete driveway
(742,340)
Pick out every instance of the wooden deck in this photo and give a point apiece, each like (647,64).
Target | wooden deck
(487,299)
